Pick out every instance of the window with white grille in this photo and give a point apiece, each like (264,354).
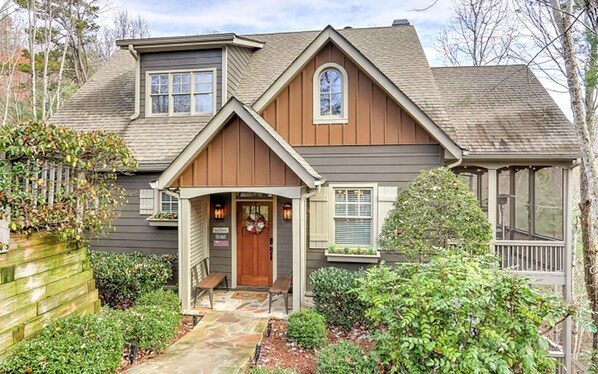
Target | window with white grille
(168,203)
(181,93)
(353,216)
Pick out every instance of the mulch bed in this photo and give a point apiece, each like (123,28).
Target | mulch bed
(278,352)
(185,326)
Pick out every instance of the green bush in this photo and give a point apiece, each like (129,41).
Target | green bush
(435,208)
(267,370)
(89,344)
(345,357)
(152,322)
(458,314)
(333,297)
(307,328)
(163,298)
(122,277)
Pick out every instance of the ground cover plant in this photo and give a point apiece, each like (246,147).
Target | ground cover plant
(435,208)
(345,357)
(121,278)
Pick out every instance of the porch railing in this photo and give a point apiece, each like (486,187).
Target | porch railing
(531,256)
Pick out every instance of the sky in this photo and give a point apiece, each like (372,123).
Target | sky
(188,17)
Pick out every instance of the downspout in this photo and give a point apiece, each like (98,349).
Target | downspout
(303,234)
(135,55)
(458,162)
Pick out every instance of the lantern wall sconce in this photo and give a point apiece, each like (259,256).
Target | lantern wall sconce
(287,212)
(218,212)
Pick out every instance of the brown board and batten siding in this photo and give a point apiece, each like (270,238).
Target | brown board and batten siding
(236,156)
(387,165)
(181,60)
(131,230)
(374,118)
(238,58)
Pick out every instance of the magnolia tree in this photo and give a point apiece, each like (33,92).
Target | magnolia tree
(60,181)
(435,209)
(459,314)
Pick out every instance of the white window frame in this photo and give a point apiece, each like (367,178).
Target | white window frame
(332,215)
(161,195)
(343,118)
(171,113)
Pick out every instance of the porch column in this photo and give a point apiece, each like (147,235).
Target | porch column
(492,200)
(297,289)
(184,258)
(568,263)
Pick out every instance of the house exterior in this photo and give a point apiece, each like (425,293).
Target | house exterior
(271,147)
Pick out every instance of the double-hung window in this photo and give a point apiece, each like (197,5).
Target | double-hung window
(168,203)
(353,216)
(182,93)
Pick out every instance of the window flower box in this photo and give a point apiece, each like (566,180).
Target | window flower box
(163,219)
(367,255)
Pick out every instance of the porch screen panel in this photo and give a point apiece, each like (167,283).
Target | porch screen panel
(549,203)
(353,216)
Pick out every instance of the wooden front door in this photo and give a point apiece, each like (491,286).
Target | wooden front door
(254,250)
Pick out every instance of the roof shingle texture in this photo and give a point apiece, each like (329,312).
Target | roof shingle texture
(504,110)
(516,116)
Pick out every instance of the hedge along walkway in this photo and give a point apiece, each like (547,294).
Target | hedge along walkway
(222,342)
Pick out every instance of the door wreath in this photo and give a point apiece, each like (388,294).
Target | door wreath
(255,223)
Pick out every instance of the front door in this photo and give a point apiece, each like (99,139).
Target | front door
(254,243)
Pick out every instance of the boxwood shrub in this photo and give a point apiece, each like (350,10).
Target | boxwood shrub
(345,357)
(307,328)
(333,297)
(90,344)
(152,322)
(122,277)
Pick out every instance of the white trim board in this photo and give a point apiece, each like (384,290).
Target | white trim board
(329,34)
(203,138)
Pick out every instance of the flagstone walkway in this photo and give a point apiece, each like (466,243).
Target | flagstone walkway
(222,342)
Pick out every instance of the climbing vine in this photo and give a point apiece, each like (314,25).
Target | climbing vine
(59,180)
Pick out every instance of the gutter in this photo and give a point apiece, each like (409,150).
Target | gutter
(137,80)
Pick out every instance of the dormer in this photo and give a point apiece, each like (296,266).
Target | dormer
(187,76)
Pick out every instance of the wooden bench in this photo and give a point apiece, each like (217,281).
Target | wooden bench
(209,282)
(281,286)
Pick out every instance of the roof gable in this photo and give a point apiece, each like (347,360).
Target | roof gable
(329,34)
(264,134)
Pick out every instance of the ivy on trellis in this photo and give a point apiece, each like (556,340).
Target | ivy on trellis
(60,180)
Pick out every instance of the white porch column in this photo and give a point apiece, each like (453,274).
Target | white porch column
(297,255)
(492,200)
(569,248)
(184,254)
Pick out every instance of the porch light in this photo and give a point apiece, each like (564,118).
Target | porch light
(287,212)
(218,212)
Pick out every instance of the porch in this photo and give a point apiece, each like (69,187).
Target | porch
(529,207)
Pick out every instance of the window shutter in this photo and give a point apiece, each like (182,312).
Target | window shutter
(146,202)
(319,219)
(386,198)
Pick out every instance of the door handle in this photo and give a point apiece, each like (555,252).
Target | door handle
(271,251)
(271,248)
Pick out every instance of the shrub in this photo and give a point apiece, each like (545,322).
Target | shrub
(75,344)
(267,370)
(307,328)
(162,298)
(345,357)
(435,208)
(456,314)
(152,322)
(122,277)
(333,297)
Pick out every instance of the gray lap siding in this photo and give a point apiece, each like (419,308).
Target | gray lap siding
(386,165)
(131,231)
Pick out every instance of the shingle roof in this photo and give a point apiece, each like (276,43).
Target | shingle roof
(504,110)
(516,116)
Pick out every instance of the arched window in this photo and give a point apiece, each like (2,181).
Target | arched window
(330,94)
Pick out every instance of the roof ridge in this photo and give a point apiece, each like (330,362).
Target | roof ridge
(348,28)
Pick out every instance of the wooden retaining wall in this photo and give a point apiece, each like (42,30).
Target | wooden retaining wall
(41,278)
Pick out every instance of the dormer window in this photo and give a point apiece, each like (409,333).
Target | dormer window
(181,93)
(330,94)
